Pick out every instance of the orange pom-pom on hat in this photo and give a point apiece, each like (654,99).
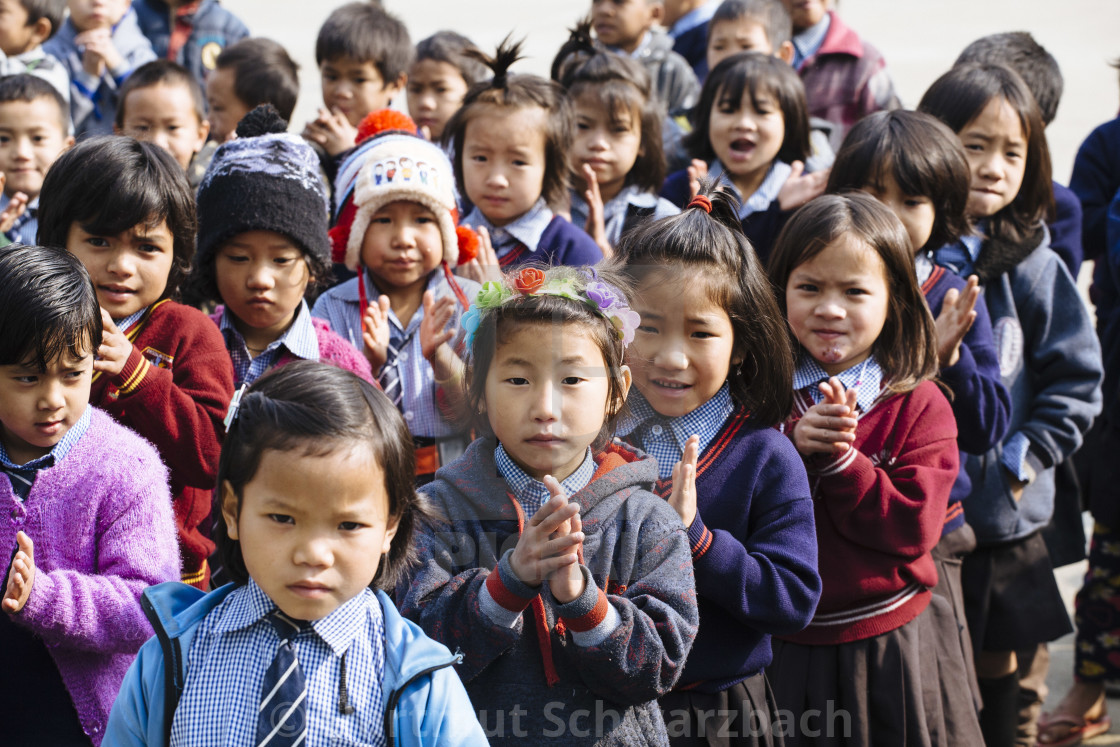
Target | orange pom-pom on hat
(383,121)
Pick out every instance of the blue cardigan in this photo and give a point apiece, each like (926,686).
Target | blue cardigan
(213,28)
(562,243)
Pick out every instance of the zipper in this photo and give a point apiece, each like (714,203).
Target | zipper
(395,696)
(172,666)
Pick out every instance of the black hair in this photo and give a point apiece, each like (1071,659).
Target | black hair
(112,183)
(958,97)
(906,348)
(760,75)
(622,87)
(456,50)
(315,409)
(27,88)
(263,73)
(48,306)
(770,14)
(53,10)
(710,249)
(161,72)
(365,32)
(516,91)
(1019,51)
(924,157)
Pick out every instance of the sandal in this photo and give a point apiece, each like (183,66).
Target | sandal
(1080,728)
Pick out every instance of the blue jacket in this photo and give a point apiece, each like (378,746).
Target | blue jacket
(426,704)
(213,28)
(1095,179)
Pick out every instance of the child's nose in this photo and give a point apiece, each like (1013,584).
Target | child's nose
(671,357)
(314,552)
(546,403)
(52,396)
(260,277)
(120,263)
(830,308)
(496,177)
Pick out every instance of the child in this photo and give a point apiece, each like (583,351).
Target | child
(88,520)
(1095,180)
(752,131)
(712,370)
(99,45)
(162,104)
(34,130)
(250,73)
(259,263)
(1049,359)
(124,208)
(192,33)
(687,24)
(880,443)
(444,70)
(511,141)
(749,26)
(363,54)
(317,510)
(627,28)
(396,228)
(845,77)
(24,26)
(599,618)
(616,155)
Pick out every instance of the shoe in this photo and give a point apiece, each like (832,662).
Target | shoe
(1079,727)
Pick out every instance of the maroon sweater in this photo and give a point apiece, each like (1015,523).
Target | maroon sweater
(879,508)
(174,390)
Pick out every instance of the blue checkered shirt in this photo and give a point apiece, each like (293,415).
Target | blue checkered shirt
(124,324)
(531,493)
(22,476)
(808,42)
(527,229)
(767,191)
(663,438)
(340,306)
(615,210)
(233,648)
(866,378)
(299,340)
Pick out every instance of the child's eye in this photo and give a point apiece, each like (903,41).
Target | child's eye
(517,381)
(647,329)
(571,380)
(702,335)
(235,258)
(284,260)
(383,220)
(478,159)
(807,288)
(97,241)
(73,375)
(856,292)
(151,249)
(914,201)
(351,526)
(140,128)
(520,162)
(29,379)
(282,519)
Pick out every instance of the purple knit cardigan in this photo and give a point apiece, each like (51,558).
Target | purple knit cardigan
(103,530)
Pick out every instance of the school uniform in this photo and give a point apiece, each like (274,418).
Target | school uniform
(538,236)
(629,208)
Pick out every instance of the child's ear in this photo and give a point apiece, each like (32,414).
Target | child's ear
(656,13)
(230,509)
(40,31)
(391,527)
(398,85)
(785,52)
(627,379)
(203,133)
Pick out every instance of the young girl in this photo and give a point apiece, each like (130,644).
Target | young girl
(879,441)
(444,70)
(87,516)
(1049,359)
(511,141)
(574,616)
(317,508)
(712,369)
(616,159)
(751,131)
(260,262)
(125,210)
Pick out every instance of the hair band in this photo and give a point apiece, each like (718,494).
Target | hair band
(700,201)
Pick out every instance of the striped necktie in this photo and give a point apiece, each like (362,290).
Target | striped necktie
(390,376)
(282,716)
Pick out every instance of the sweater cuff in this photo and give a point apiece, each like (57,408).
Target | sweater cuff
(962,370)
(504,596)
(86,83)
(590,617)
(832,465)
(135,370)
(699,537)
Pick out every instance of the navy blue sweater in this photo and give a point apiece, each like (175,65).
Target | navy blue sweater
(754,552)
(561,244)
(1065,229)
(693,46)
(1095,179)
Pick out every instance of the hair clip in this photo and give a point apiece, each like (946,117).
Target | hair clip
(700,201)
(234,404)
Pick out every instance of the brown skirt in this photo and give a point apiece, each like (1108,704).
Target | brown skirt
(906,687)
(948,556)
(742,715)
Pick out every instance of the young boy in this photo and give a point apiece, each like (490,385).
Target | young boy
(687,22)
(627,27)
(99,45)
(250,73)
(34,131)
(190,32)
(161,103)
(396,228)
(363,54)
(88,522)
(24,26)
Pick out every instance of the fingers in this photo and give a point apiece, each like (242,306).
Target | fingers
(552,514)
(797,168)
(554,487)
(107,323)
(691,450)
(426,132)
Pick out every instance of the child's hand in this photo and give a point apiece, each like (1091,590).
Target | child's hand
(697,171)
(484,267)
(801,187)
(16,207)
(683,497)
(595,226)
(21,575)
(375,333)
(1015,485)
(566,583)
(436,316)
(538,555)
(958,312)
(98,51)
(115,347)
(332,130)
(828,428)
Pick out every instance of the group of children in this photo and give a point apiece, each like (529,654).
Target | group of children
(758,452)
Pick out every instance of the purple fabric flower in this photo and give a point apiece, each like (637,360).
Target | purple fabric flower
(604,296)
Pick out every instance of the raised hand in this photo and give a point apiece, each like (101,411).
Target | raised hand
(16,207)
(596,227)
(697,171)
(436,316)
(485,266)
(683,496)
(98,51)
(828,427)
(332,130)
(542,549)
(958,312)
(375,333)
(115,347)
(21,575)
(801,187)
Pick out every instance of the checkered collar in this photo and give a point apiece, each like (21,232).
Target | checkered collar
(767,191)
(521,484)
(299,338)
(705,421)
(526,229)
(866,378)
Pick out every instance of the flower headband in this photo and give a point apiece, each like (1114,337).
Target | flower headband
(607,300)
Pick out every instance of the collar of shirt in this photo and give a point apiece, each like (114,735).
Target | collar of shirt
(57,454)
(960,256)
(299,338)
(526,229)
(639,50)
(664,438)
(694,18)
(923,266)
(125,324)
(531,493)
(806,44)
(767,191)
(866,378)
(436,282)
(616,206)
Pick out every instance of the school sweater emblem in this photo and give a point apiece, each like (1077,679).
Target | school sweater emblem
(157,358)
(1008,336)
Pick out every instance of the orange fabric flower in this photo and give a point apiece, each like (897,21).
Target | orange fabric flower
(529,280)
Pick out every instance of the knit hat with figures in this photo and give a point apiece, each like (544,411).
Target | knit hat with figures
(393,163)
(264,180)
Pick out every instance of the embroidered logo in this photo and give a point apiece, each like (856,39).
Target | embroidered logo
(883,458)
(157,358)
(1008,336)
